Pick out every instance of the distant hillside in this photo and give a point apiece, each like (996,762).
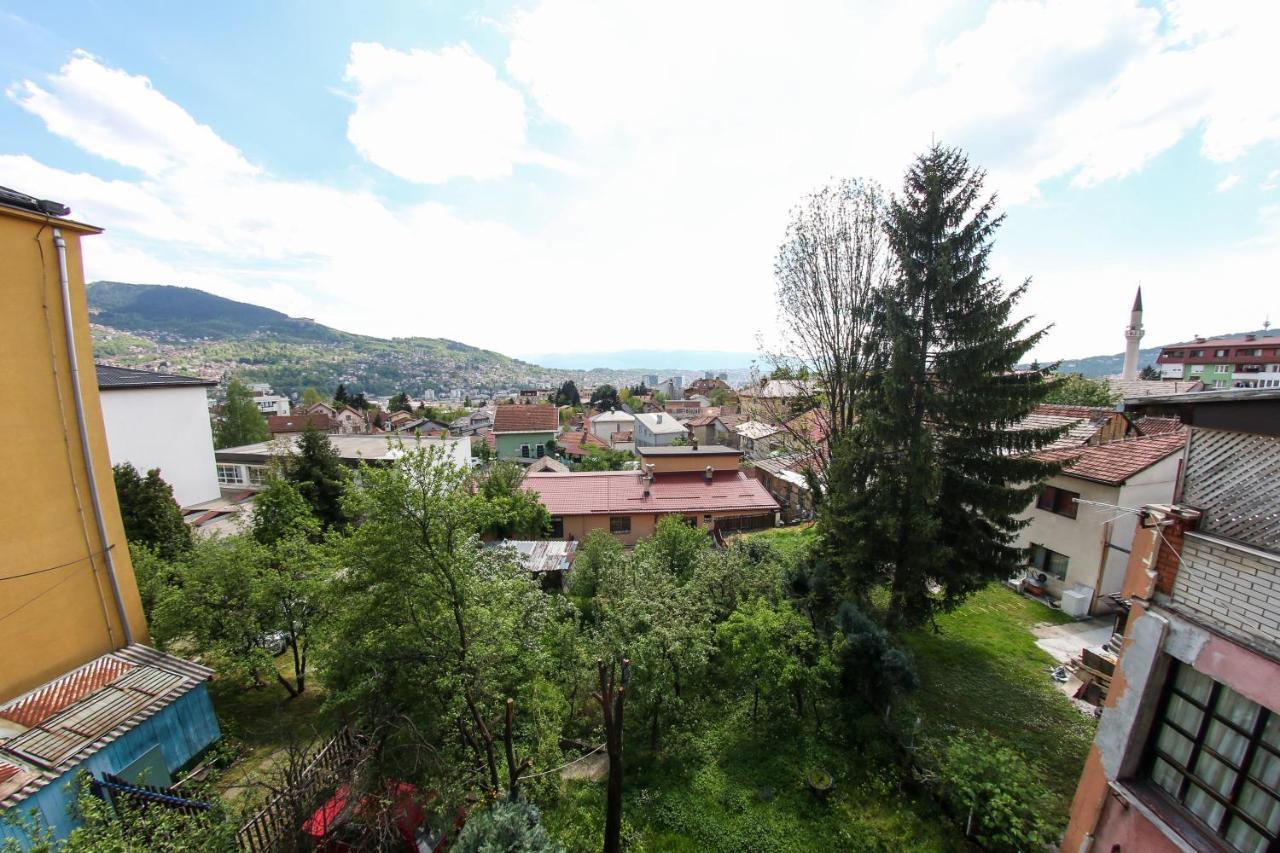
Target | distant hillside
(160,327)
(1111,365)
(655,360)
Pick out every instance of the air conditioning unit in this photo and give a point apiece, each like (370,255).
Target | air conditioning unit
(1075,602)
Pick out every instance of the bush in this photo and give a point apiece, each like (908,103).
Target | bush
(993,793)
(508,826)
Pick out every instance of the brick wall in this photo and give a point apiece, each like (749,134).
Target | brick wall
(1167,557)
(1235,590)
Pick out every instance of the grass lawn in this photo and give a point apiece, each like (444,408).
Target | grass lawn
(984,671)
(791,541)
(733,787)
(260,722)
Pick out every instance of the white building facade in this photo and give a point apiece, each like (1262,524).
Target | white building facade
(160,420)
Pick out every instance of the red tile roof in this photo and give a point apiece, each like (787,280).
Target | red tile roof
(1159,426)
(702,420)
(298,423)
(1091,412)
(526,419)
(812,425)
(573,442)
(1117,461)
(622,493)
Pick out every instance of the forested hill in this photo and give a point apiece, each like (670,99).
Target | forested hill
(184,312)
(160,327)
(1111,365)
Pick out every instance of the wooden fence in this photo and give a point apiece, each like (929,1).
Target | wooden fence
(282,816)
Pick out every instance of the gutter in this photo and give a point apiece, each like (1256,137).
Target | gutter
(77,393)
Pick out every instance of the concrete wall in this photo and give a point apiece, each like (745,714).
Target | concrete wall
(67,614)
(165,428)
(1081,538)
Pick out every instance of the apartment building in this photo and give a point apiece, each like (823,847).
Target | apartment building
(1251,361)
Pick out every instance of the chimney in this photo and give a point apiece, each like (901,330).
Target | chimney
(709,474)
(659,418)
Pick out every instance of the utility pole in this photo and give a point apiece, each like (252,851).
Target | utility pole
(612,698)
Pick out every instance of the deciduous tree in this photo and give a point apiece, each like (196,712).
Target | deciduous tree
(151,516)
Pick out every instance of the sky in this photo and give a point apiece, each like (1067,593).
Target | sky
(561,176)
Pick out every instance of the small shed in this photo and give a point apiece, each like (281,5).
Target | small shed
(549,560)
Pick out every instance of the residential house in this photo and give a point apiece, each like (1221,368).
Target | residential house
(682,408)
(160,420)
(702,486)
(272,404)
(534,396)
(547,560)
(577,443)
(424,426)
(522,432)
(657,429)
(398,419)
(784,478)
(1247,361)
(605,424)
(775,400)
(1078,551)
(547,463)
(1187,752)
(707,429)
(476,423)
(78,687)
(291,424)
(351,422)
(757,439)
(707,386)
(321,409)
(670,388)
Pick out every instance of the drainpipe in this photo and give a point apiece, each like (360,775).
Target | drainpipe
(94,497)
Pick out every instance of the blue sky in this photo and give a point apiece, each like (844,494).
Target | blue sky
(562,176)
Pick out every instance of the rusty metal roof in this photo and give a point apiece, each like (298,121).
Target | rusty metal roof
(75,715)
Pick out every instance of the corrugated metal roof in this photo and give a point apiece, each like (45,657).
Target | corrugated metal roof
(554,555)
(40,704)
(145,682)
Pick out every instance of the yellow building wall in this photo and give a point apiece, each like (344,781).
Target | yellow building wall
(56,605)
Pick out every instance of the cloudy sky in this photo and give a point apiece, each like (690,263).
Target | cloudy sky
(566,176)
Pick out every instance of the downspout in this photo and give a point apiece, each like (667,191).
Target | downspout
(94,497)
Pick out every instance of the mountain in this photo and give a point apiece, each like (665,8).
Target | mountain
(184,312)
(1111,365)
(161,327)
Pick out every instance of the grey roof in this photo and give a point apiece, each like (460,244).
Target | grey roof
(660,422)
(552,555)
(352,448)
(110,378)
(689,450)
(1196,398)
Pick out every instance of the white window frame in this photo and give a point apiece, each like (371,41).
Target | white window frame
(225,469)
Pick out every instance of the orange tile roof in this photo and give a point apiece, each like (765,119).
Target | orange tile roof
(526,419)
(1117,461)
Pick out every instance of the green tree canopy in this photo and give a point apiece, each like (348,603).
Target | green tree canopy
(675,546)
(507,826)
(239,422)
(605,397)
(399,402)
(280,511)
(567,395)
(151,516)
(310,396)
(604,459)
(1074,389)
(316,471)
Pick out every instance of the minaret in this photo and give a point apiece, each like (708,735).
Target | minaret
(1132,337)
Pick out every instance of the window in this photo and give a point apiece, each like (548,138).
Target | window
(1197,369)
(1175,354)
(257,475)
(524,451)
(1049,562)
(542,450)
(1254,351)
(1222,368)
(229,475)
(1217,755)
(1197,353)
(1219,353)
(557,527)
(1059,501)
(619,524)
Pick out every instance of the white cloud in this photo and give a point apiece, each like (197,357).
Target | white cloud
(1227,183)
(428,117)
(693,129)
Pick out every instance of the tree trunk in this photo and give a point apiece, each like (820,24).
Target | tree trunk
(612,700)
(755,701)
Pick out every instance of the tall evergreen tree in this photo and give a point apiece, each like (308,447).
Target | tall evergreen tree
(340,397)
(239,421)
(926,488)
(318,474)
(151,515)
(568,395)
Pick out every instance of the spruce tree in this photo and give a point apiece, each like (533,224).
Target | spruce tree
(926,488)
(151,516)
(239,421)
(317,472)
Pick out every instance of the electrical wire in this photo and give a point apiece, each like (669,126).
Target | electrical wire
(59,566)
(37,596)
(566,764)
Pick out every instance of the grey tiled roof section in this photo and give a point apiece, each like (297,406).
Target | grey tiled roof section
(126,377)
